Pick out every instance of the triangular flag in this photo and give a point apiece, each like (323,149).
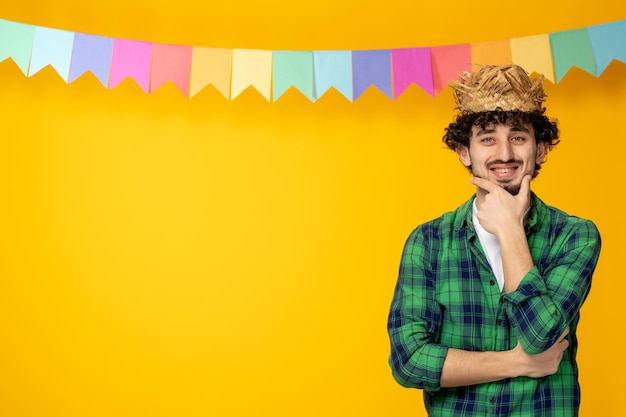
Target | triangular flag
(533,53)
(170,63)
(292,68)
(608,42)
(16,42)
(131,59)
(491,53)
(52,47)
(571,48)
(412,65)
(91,53)
(448,63)
(211,66)
(251,67)
(371,68)
(333,69)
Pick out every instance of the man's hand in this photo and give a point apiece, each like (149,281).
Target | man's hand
(498,210)
(462,368)
(541,364)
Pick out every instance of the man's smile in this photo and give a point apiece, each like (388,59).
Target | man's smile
(503,171)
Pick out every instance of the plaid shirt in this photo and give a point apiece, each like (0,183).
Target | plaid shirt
(447,296)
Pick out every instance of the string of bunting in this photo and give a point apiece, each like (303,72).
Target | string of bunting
(313,73)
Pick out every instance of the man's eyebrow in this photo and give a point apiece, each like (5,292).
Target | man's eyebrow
(488,131)
(521,128)
(485,131)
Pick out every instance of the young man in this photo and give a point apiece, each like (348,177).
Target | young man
(486,307)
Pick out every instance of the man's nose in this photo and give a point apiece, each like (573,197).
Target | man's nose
(505,150)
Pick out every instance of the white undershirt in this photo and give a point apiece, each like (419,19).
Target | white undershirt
(491,246)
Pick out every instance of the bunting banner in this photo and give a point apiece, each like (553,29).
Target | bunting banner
(312,73)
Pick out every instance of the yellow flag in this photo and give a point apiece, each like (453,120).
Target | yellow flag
(533,53)
(211,66)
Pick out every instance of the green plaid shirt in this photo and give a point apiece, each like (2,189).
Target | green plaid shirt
(447,296)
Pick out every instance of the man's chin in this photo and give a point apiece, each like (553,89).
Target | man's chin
(513,189)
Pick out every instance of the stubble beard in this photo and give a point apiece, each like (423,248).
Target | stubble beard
(513,189)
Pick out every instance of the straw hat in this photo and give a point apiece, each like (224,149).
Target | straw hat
(492,87)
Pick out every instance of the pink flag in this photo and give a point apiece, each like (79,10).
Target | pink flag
(171,63)
(411,65)
(131,59)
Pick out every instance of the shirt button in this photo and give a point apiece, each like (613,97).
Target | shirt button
(492,282)
(498,322)
(492,400)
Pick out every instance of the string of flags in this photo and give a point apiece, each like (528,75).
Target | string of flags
(312,73)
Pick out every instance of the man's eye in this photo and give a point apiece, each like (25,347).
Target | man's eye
(487,140)
(518,139)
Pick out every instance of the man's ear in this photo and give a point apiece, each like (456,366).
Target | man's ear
(542,150)
(463,153)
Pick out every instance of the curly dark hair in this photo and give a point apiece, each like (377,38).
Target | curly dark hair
(459,131)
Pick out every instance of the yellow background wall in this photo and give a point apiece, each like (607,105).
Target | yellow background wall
(166,256)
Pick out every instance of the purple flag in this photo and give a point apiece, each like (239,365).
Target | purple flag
(91,53)
(371,68)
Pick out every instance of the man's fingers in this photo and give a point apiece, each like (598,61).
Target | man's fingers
(525,185)
(564,334)
(484,184)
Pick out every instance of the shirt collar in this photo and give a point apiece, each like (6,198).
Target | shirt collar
(538,211)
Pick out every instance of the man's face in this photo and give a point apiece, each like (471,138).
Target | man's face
(503,154)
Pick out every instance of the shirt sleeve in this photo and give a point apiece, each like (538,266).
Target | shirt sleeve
(548,298)
(414,318)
